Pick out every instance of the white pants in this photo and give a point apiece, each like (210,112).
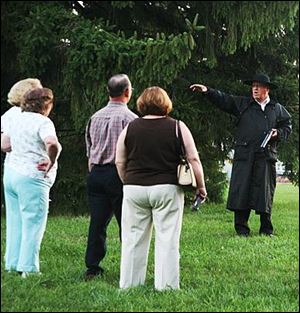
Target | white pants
(144,206)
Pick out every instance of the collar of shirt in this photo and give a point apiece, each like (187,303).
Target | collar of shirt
(116,103)
(264,103)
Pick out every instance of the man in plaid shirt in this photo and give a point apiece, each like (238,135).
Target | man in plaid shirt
(104,187)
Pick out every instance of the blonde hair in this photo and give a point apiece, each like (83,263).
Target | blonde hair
(37,100)
(18,90)
(155,101)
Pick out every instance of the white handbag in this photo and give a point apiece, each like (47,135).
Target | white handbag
(185,173)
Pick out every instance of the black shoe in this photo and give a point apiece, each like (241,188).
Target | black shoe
(91,275)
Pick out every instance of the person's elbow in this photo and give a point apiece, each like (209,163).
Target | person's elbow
(5,144)
(121,167)
(52,143)
(193,159)
(5,148)
(53,148)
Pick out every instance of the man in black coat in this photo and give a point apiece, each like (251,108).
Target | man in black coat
(253,178)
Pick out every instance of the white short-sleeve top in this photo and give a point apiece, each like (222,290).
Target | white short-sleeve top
(8,116)
(27,132)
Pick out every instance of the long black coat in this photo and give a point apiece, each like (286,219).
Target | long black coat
(253,176)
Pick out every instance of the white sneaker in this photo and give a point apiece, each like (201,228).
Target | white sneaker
(26,274)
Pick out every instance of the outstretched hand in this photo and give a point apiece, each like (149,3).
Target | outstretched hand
(198,87)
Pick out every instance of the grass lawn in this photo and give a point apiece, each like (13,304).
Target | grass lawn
(220,272)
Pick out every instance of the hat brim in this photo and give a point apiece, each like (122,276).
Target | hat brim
(270,85)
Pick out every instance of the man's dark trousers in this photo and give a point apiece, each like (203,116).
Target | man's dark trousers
(241,223)
(105,194)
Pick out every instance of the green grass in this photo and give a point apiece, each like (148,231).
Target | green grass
(219,271)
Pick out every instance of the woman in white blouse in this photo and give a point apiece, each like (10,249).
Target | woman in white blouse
(34,148)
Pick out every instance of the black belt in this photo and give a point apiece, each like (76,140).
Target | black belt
(105,165)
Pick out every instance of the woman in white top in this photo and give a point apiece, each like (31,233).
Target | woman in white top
(33,145)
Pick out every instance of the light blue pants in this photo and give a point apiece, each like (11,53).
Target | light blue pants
(27,203)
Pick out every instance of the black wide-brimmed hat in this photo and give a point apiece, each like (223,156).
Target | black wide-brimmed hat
(261,78)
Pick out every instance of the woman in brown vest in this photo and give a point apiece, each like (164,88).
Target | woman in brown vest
(147,158)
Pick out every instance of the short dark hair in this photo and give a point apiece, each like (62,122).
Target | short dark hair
(37,100)
(117,84)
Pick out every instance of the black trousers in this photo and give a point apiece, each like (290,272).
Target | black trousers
(241,223)
(105,195)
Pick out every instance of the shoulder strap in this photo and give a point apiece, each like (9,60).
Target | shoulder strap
(182,148)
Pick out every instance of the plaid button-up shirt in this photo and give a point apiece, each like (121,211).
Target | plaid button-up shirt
(103,130)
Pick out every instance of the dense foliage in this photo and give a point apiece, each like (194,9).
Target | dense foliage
(74,47)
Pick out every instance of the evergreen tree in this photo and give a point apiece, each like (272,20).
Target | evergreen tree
(74,47)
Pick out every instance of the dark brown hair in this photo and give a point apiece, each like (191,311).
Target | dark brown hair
(37,100)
